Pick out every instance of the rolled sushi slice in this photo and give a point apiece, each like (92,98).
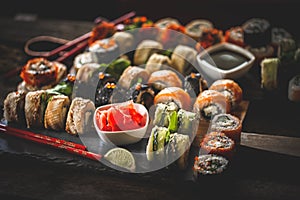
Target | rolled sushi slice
(230,89)
(286,50)
(166,78)
(14,107)
(294,89)
(84,58)
(209,164)
(217,143)
(144,50)
(269,71)
(228,124)
(56,112)
(132,75)
(195,28)
(163,112)
(125,41)
(79,118)
(35,106)
(210,103)
(157,62)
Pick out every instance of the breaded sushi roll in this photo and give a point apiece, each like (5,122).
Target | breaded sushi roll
(174,94)
(230,89)
(14,107)
(210,103)
(35,106)
(217,143)
(79,118)
(228,124)
(56,112)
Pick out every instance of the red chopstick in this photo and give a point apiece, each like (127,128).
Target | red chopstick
(43,137)
(74,150)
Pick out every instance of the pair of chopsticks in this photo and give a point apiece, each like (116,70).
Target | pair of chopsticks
(70,147)
(80,44)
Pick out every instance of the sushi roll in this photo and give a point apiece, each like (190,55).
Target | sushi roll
(229,124)
(217,143)
(142,94)
(195,28)
(278,34)
(35,107)
(174,94)
(286,50)
(164,22)
(125,41)
(235,35)
(209,37)
(144,50)
(132,75)
(257,32)
(157,62)
(86,72)
(294,89)
(183,59)
(79,117)
(84,58)
(209,164)
(166,148)
(106,49)
(56,112)
(165,78)
(40,73)
(210,103)
(194,84)
(104,94)
(230,89)
(14,107)
(164,112)
(269,70)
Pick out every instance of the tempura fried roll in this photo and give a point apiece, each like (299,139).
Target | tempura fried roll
(35,106)
(56,112)
(14,107)
(217,143)
(228,124)
(79,118)
(210,103)
(230,89)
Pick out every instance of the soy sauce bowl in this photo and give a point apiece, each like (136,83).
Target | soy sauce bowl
(224,60)
(123,137)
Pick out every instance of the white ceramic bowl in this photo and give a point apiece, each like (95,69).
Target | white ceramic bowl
(208,64)
(123,137)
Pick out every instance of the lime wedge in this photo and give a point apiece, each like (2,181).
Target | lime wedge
(121,157)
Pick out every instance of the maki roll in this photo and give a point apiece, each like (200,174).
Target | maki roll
(35,106)
(164,112)
(217,143)
(105,49)
(56,112)
(142,94)
(183,59)
(230,89)
(278,34)
(174,94)
(132,75)
(164,22)
(125,41)
(104,94)
(165,78)
(210,103)
(195,28)
(79,118)
(257,32)
(229,124)
(235,35)
(157,62)
(209,37)
(84,58)
(294,89)
(14,107)
(286,50)
(144,50)
(194,84)
(165,148)
(40,73)
(269,70)
(209,164)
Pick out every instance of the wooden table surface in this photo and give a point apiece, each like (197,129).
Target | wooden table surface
(266,166)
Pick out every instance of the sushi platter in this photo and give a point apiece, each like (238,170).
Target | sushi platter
(136,100)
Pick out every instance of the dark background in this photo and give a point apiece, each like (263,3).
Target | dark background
(224,14)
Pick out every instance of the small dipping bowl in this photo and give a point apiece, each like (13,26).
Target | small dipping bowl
(224,60)
(123,137)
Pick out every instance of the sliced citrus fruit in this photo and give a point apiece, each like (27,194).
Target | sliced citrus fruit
(121,157)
